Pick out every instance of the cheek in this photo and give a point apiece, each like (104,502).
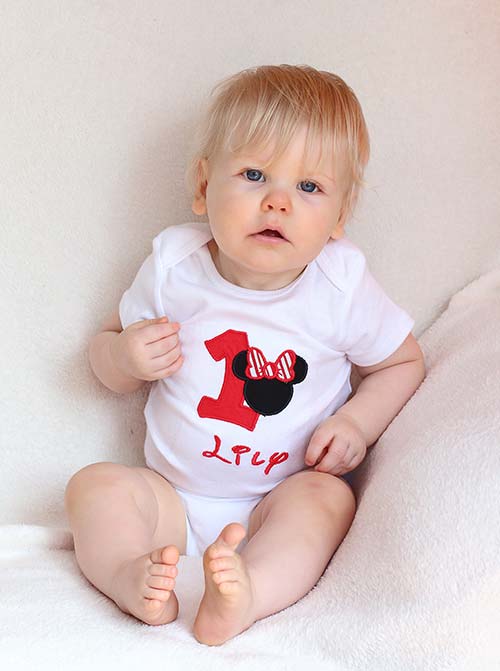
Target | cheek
(325,217)
(211,197)
(227,202)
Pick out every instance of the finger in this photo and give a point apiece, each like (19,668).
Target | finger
(155,332)
(157,320)
(335,456)
(162,346)
(319,442)
(350,454)
(166,372)
(165,357)
(319,460)
(350,461)
(339,469)
(149,322)
(166,360)
(355,461)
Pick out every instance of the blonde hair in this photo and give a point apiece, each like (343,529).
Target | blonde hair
(268,103)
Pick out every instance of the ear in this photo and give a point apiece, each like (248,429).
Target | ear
(338,231)
(239,365)
(199,205)
(300,370)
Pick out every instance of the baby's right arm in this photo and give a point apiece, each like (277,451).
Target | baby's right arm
(146,350)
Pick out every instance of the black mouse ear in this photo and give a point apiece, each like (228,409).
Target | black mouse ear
(300,370)
(239,365)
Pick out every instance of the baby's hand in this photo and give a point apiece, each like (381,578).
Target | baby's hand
(148,350)
(337,445)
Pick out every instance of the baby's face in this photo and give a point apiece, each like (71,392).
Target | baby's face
(246,202)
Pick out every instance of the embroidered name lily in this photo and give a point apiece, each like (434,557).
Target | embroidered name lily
(238,450)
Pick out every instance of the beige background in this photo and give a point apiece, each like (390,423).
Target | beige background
(98,102)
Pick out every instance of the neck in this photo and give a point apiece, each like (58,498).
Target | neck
(248,279)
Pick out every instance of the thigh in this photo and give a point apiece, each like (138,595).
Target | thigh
(155,498)
(171,516)
(307,487)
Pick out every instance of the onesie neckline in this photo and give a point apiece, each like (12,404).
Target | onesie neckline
(256,294)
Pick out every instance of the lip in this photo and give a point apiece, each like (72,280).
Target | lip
(271,227)
(268,239)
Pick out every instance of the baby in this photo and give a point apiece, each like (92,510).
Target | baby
(248,327)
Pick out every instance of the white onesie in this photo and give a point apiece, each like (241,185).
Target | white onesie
(262,368)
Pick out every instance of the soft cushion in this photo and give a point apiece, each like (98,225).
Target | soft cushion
(414,585)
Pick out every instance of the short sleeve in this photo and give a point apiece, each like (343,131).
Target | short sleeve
(377,326)
(138,301)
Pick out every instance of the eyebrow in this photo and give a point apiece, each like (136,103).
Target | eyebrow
(322,175)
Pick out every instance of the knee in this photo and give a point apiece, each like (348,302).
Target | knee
(332,491)
(102,472)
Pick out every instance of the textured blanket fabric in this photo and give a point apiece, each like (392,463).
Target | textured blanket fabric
(415,585)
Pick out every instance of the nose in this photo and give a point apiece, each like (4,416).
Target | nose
(276,201)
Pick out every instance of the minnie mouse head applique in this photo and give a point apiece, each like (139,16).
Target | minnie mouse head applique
(268,387)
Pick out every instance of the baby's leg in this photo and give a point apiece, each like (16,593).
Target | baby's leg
(292,535)
(129,529)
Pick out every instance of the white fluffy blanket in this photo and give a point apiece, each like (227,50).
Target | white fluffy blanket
(415,585)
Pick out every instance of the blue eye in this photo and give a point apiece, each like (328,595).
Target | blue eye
(254,175)
(250,171)
(314,186)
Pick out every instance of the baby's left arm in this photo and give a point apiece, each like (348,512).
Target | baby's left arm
(384,389)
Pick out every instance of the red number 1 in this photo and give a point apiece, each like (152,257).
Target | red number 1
(229,405)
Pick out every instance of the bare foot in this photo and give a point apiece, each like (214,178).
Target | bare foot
(144,586)
(228,604)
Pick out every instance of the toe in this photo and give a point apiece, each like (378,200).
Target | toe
(152,606)
(226,576)
(222,563)
(233,534)
(170,554)
(159,582)
(227,541)
(161,595)
(166,570)
(229,587)
(166,555)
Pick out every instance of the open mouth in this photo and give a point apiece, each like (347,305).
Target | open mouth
(270,233)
